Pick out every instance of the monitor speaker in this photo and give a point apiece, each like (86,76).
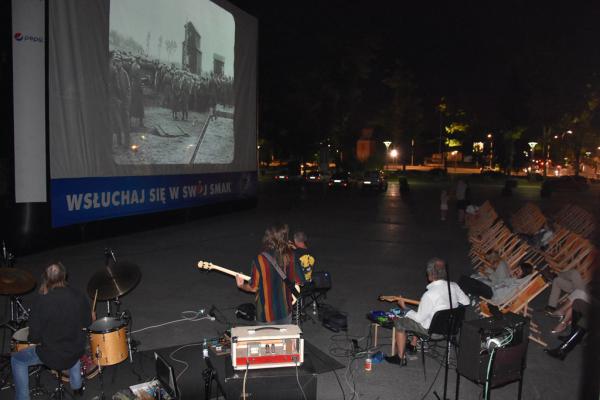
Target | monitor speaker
(507,336)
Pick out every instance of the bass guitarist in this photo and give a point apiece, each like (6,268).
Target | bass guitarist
(433,300)
(273,275)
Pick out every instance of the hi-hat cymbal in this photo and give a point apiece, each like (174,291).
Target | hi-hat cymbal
(15,281)
(114,281)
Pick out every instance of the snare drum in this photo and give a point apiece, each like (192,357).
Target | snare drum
(108,341)
(20,340)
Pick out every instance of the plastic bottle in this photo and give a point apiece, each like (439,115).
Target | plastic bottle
(205,349)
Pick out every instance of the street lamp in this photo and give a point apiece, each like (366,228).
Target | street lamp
(491,137)
(394,154)
(387,146)
(258,157)
(532,146)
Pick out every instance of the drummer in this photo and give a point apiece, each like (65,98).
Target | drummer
(58,318)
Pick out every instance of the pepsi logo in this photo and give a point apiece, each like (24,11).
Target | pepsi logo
(20,37)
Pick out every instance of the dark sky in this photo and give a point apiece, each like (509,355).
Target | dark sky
(489,58)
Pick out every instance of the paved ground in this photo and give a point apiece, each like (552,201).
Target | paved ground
(371,243)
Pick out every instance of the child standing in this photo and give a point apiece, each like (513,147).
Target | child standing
(444,204)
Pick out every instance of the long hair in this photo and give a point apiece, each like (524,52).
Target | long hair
(55,275)
(276,240)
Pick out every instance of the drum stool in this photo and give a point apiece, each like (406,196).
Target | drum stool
(60,391)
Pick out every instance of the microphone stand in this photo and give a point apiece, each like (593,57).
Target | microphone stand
(449,329)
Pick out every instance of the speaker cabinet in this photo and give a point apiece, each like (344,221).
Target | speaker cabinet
(272,384)
(479,337)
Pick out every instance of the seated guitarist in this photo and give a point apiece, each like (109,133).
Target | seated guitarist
(273,294)
(433,300)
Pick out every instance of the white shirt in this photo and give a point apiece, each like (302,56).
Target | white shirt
(436,299)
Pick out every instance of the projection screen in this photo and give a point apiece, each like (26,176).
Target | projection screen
(152,106)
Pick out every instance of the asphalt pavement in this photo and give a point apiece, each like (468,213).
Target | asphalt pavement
(371,243)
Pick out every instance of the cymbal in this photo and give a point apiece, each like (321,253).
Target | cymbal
(114,281)
(15,281)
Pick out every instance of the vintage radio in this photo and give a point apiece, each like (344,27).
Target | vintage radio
(266,346)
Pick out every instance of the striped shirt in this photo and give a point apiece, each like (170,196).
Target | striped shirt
(273,298)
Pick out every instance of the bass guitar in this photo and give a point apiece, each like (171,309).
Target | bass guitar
(208,266)
(396,298)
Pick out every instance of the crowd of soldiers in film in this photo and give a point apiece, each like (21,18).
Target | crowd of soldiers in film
(175,88)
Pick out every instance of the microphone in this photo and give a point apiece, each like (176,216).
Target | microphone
(112,254)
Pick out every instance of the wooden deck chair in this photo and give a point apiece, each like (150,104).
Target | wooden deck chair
(479,259)
(580,259)
(576,219)
(568,252)
(489,232)
(498,234)
(484,219)
(557,239)
(587,265)
(518,303)
(528,220)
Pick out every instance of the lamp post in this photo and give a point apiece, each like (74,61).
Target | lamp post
(387,146)
(531,146)
(491,137)
(412,151)
(258,158)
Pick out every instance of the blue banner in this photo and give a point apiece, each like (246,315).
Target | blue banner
(77,200)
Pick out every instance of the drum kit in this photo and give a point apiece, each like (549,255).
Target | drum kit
(110,342)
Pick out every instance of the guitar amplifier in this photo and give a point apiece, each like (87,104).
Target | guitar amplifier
(266,346)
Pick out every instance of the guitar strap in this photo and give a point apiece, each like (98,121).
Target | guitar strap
(288,283)
(273,262)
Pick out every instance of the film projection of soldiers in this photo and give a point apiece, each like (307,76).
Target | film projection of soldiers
(171,82)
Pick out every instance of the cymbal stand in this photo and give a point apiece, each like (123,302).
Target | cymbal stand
(18,312)
(100,373)
(117,306)
(8,259)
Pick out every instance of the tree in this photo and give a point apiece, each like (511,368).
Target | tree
(402,118)
(510,138)
(583,123)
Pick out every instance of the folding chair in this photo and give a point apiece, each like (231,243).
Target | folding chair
(445,324)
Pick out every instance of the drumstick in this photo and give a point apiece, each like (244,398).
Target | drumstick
(94,304)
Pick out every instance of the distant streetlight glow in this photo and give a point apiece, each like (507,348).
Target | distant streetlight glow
(394,153)
(491,137)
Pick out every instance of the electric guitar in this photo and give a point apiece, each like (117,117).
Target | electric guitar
(396,298)
(210,266)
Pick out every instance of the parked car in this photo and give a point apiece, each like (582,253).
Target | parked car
(340,180)
(564,184)
(281,177)
(313,177)
(374,180)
